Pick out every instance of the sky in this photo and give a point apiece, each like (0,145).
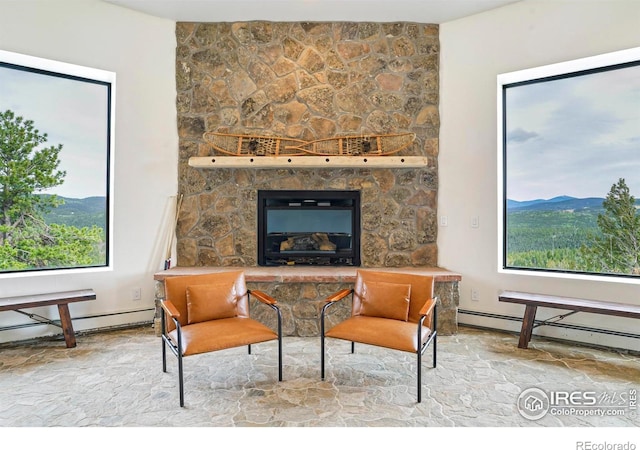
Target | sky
(575,136)
(72,113)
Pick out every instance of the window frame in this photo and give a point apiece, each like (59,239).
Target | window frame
(81,74)
(591,65)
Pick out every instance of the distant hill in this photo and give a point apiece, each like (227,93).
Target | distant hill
(79,212)
(561,203)
(516,204)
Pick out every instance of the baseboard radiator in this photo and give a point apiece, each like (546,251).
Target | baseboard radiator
(74,319)
(542,322)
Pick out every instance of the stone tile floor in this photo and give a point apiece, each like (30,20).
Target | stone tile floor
(114,379)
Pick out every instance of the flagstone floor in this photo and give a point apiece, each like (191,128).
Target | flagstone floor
(114,379)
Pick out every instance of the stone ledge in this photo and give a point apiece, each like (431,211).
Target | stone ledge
(306,274)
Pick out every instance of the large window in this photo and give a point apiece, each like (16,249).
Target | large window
(569,138)
(56,147)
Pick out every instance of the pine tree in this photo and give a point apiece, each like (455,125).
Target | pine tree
(617,248)
(25,170)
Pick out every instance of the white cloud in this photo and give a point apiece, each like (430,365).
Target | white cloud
(587,135)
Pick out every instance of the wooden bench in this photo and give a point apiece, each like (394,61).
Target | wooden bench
(61,299)
(575,305)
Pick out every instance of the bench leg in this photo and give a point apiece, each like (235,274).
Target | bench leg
(67,328)
(527,326)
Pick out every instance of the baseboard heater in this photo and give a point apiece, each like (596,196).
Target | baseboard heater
(94,316)
(550,324)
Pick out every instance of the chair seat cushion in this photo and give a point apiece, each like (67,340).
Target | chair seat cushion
(222,334)
(389,333)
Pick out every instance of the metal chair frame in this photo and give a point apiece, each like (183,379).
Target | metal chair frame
(431,338)
(167,341)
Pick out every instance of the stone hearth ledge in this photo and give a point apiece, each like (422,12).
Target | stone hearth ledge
(306,274)
(301,290)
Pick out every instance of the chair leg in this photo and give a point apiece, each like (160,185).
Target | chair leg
(419,376)
(177,350)
(322,356)
(435,344)
(180,379)
(435,333)
(353,347)
(280,358)
(164,355)
(164,344)
(180,365)
(431,339)
(322,349)
(249,348)
(279,316)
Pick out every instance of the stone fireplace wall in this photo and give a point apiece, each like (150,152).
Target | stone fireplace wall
(308,81)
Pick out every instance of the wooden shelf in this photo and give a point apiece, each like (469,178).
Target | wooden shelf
(307,162)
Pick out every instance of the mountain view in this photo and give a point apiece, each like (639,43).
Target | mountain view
(549,233)
(79,212)
(562,203)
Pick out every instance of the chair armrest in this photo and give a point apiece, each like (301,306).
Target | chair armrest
(428,306)
(171,310)
(329,302)
(338,295)
(264,297)
(271,302)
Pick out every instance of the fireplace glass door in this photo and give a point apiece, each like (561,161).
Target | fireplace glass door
(309,228)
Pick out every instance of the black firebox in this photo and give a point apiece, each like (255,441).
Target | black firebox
(309,228)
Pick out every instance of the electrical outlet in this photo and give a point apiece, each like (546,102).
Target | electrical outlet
(475,222)
(444,221)
(136,294)
(475,296)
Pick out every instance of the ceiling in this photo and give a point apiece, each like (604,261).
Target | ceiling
(423,11)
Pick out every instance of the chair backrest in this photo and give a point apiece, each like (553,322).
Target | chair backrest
(175,291)
(422,289)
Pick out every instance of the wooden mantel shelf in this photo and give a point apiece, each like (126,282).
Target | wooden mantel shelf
(307,162)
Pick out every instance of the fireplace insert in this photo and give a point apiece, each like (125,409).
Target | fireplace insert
(309,228)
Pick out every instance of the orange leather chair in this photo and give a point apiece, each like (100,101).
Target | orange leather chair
(205,313)
(389,309)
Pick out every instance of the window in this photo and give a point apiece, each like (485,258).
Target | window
(569,178)
(56,148)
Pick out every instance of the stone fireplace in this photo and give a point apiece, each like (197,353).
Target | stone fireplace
(309,81)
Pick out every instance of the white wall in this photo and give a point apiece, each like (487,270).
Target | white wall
(141,51)
(474,51)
